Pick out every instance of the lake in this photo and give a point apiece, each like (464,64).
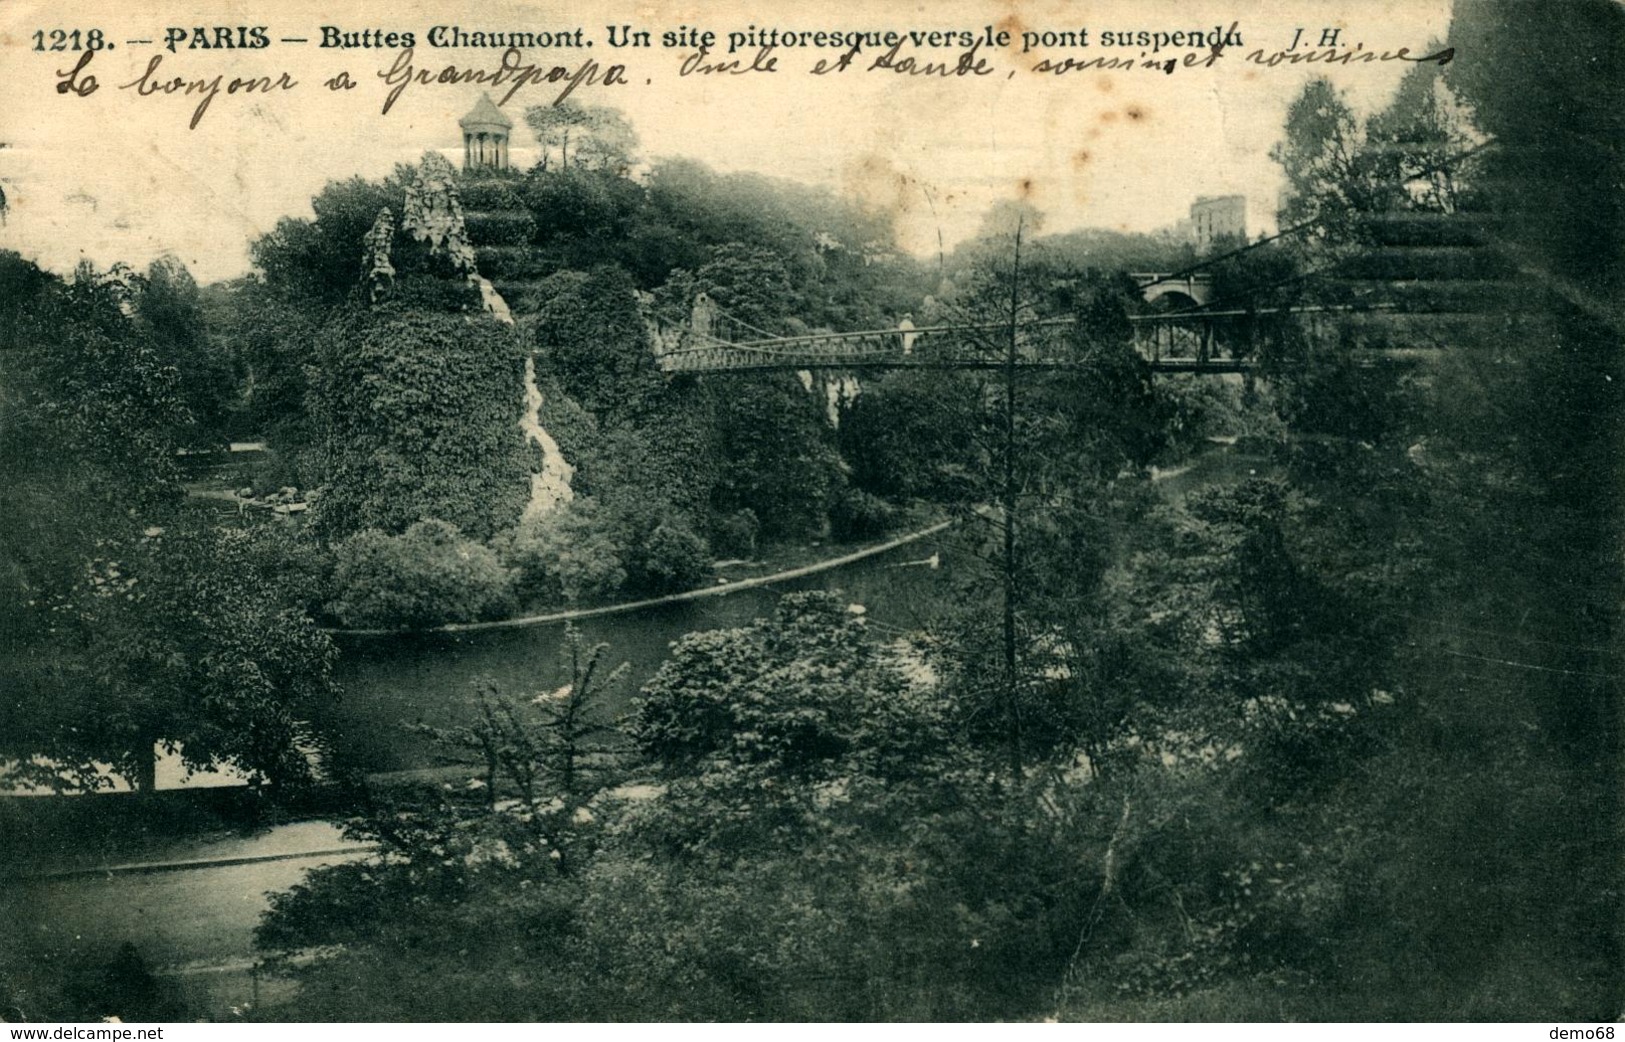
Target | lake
(428,678)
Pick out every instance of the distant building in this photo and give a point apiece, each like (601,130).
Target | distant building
(485,136)
(1213,216)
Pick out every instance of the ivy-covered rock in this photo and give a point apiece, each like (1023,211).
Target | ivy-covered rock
(419,413)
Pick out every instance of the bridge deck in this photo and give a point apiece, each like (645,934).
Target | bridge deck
(885,349)
(971,345)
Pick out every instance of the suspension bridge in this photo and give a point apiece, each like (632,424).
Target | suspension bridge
(1179,342)
(1422,277)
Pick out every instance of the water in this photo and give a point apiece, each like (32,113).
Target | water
(428,679)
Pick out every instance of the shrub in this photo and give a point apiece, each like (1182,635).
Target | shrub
(427,576)
(506,228)
(734,535)
(673,558)
(571,554)
(857,514)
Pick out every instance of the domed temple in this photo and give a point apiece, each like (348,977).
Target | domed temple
(485,136)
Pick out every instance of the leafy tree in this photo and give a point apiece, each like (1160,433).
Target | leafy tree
(128,621)
(179,637)
(778,457)
(750,284)
(910,435)
(315,263)
(428,575)
(574,553)
(554,752)
(593,338)
(1328,171)
(778,708)
(169,306)
(601,136)
(672,557)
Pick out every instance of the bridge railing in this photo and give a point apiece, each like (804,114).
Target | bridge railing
(1184,340)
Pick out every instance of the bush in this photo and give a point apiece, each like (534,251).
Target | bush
(500,228)
(427,576)
(673,558)
(857,514)
(273,472)
(734,535)
(489,195)
(571,554)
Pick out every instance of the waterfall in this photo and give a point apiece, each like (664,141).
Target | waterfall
(549,489)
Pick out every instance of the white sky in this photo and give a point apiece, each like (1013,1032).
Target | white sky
(114,176)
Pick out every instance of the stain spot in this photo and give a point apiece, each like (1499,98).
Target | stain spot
(1026,186)
(1081,158)
(1108,117)
(872,178)
(1250,74)
(1135,113)
(1105,84)
(1012,24)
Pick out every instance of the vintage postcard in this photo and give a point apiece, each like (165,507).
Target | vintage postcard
(855,510)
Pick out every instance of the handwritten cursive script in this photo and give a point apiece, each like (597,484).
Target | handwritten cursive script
(150,82)
(513,72)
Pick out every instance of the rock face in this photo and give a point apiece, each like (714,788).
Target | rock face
(434,217)
(434,214)
(549,489)
(377,272)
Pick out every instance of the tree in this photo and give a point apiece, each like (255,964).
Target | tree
(275,342)
(168,305)
(593,339)
(1328,172)
(572,554)
(909,435)
(777,711)
(1422,144)
(499,874)
(778,456)
(553,753)
(185,637)
(428,575)
(1039,494)
(602,138)
(127,620)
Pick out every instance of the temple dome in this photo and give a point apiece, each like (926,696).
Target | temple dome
(485,116)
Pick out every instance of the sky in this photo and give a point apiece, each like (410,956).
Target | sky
(116,176)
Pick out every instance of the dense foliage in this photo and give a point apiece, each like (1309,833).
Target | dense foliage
(1327,733)
(130,620)
(419,418)
(1218,752)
